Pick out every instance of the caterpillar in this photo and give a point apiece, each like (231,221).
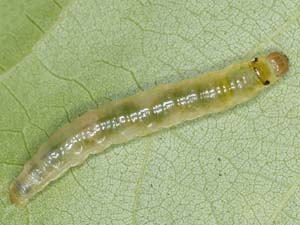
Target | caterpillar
(144,113)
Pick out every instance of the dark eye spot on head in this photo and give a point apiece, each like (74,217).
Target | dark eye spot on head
(254,59)
(267,82)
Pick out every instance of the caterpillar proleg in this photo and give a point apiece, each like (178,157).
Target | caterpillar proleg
(144,113)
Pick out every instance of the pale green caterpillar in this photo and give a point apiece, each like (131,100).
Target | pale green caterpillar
(142,114)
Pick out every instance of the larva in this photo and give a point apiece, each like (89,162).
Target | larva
(142,114)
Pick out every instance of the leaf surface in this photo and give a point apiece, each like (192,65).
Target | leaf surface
(237,167)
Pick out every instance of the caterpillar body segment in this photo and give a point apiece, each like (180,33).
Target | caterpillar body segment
(144,113)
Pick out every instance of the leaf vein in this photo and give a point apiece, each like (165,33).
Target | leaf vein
(35,23)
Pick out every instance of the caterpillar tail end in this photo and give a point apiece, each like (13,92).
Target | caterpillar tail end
(279,62)
(15,196)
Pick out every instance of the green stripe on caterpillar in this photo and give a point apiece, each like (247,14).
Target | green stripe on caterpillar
(144,113)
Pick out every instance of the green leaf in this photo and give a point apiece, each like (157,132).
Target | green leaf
(22,25)
(59,60)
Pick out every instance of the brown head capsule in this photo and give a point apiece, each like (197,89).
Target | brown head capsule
(279,63)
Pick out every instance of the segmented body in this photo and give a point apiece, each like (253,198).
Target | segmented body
(139,115)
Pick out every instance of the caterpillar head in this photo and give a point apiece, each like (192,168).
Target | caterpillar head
(270,68)
(279,63)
